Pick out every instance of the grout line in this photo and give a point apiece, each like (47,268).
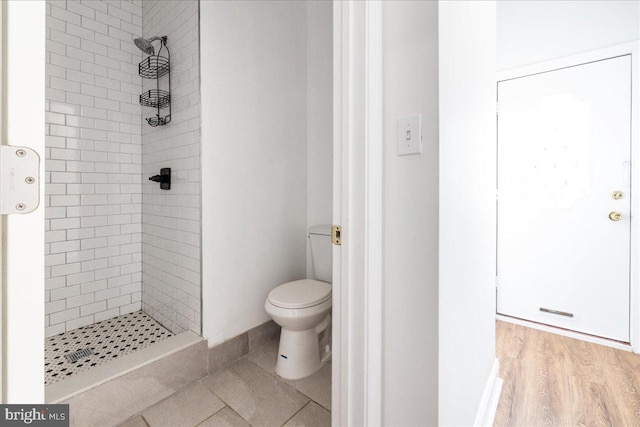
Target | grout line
(283,381)
(222,409)
(214,393)
(212,415)
(146,423)
(274,375)
(297,412)
(268,373)
(235,412)
(144,420)
(311,399)
(227,405)
(169,397)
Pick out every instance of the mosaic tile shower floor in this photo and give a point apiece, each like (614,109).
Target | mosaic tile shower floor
(107,340)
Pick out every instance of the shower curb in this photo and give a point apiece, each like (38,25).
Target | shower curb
(111,393)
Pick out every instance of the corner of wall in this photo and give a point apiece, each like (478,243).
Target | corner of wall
(319,113)
(467,253)
(171,220)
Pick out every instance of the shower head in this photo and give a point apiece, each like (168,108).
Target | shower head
(145,44)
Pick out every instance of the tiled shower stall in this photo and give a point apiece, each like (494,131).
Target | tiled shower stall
(116,242)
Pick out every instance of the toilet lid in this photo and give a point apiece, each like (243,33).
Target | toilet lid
(300,294)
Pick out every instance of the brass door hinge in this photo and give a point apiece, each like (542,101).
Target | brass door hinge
(336,235)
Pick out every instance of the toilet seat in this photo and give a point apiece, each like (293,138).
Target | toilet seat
(300,294)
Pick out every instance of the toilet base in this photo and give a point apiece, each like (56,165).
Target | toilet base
(299,354)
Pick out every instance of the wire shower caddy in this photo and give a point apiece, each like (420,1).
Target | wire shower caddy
(155,67)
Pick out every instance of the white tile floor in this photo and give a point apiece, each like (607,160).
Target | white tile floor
(107,340)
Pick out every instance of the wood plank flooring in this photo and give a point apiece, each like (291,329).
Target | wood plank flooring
(550,380)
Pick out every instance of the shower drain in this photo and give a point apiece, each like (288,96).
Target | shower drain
(77,355)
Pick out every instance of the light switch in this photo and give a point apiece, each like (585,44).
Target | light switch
(410,135)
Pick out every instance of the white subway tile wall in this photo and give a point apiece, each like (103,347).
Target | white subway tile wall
(93,162)
(109,229)
(171,219)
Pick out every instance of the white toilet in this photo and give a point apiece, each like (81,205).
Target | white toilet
(303,309)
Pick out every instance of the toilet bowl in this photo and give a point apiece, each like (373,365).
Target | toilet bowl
(302,308)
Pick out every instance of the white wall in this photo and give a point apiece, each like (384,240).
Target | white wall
(410,61)
(319,115)
(535,31)
(467,207)
(171,285)
(253,61)
(93,153)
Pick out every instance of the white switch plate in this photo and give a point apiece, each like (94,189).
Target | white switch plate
(410,135)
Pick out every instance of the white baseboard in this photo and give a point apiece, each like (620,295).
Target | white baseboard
(490,398)
(566,333)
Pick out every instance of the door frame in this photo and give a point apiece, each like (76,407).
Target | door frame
(3,383)
(358,166)
(633,49)
(357,392)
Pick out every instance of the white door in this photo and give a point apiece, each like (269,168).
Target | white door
(564,197)
(23,271)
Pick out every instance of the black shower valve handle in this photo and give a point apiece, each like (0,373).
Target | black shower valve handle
(164,178)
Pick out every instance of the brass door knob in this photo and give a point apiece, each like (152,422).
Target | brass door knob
(615,216)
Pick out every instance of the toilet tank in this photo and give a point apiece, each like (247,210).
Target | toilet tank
(321,252)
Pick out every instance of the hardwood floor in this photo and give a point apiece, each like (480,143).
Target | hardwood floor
(550,380)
